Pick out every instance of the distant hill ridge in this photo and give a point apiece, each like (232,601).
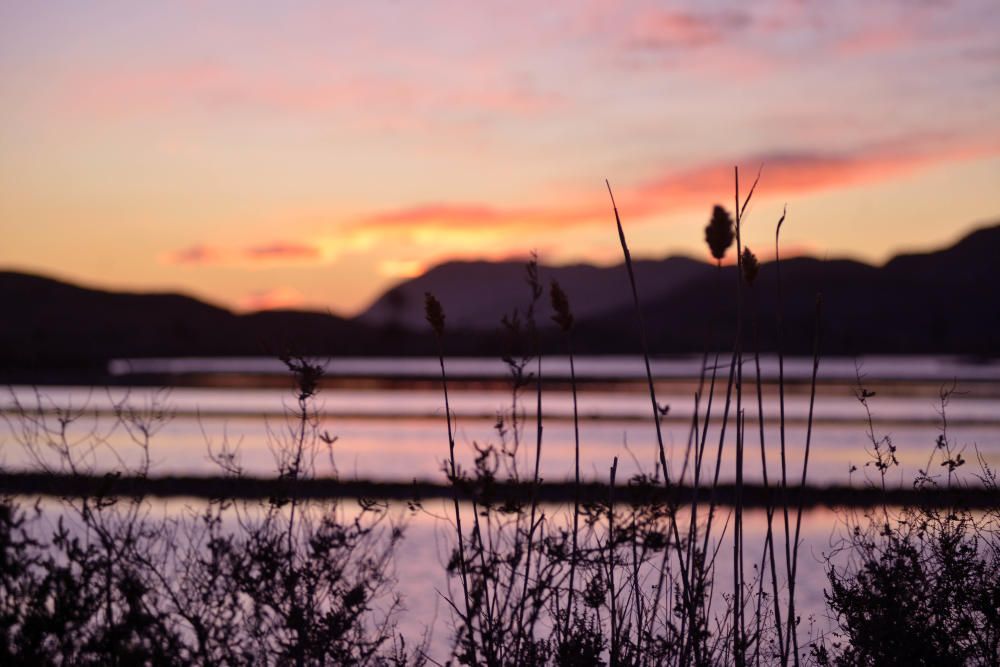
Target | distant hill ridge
(475,293)
(937,302)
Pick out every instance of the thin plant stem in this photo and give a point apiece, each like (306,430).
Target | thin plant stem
(685,585)
(574,554)
(642,336)
(784,649)
(739,631)
(611,565)
(536,292)
(458,514)
(769,538)
(805,468)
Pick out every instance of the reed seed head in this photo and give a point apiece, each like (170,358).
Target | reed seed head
(531,268)
(560,304)
(751,267)
(434,313)
(719,234)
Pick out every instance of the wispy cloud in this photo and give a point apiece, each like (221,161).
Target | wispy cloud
(873,39)
(785,174)
(212,87)
(276,253)
(441,229)
(278,298)
(761,38)
(459,216)
(685,29)
(196,254)
(281,250)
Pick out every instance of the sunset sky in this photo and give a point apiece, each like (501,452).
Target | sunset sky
(311,154)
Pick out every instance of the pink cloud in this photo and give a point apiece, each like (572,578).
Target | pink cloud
(784,175)
(685,29)
(280,252)
(700,43)
(476,225)
(196,254)
(203,86)
(787,174)
(449,215)
(279,298)
(876,39)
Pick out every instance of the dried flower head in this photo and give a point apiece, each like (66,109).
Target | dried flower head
(751,267)
(560,304)
(434,313)
(534,283)
(719,233)
(307,374)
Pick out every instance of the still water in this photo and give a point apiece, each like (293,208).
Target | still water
(397,431)
(426,591)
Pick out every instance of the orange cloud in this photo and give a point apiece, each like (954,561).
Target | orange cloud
(279,298)
(279,252)
(788,174)
(445,215)
(784,175)
(196,254)
(282,250)
(446,229)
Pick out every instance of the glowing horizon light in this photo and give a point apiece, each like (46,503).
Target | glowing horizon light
(242,155)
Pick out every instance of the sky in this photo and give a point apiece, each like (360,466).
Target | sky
(312,154)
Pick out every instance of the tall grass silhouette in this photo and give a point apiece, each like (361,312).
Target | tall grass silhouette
(280,580)
(626,572)
(634,588)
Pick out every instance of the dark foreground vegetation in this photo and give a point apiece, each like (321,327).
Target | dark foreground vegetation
(754,496)
(656,570)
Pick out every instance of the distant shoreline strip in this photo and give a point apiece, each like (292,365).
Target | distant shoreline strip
(607,368)
(678,418)
(252,488)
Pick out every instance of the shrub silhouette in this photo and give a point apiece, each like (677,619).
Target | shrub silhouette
(614,583)
(922,584)
(282,581)
(627,579)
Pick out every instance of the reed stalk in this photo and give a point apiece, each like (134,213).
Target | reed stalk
(536,292)
(435,317)
(612,591)
(563,317)
(805,467)
(661,450)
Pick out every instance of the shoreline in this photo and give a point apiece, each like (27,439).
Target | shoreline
(252,488)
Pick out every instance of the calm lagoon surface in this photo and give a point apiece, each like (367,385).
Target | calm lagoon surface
(396,431)
(419,567)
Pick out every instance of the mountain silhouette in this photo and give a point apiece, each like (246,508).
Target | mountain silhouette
(935,302)
(943,302)
(475,294)
(51,324)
